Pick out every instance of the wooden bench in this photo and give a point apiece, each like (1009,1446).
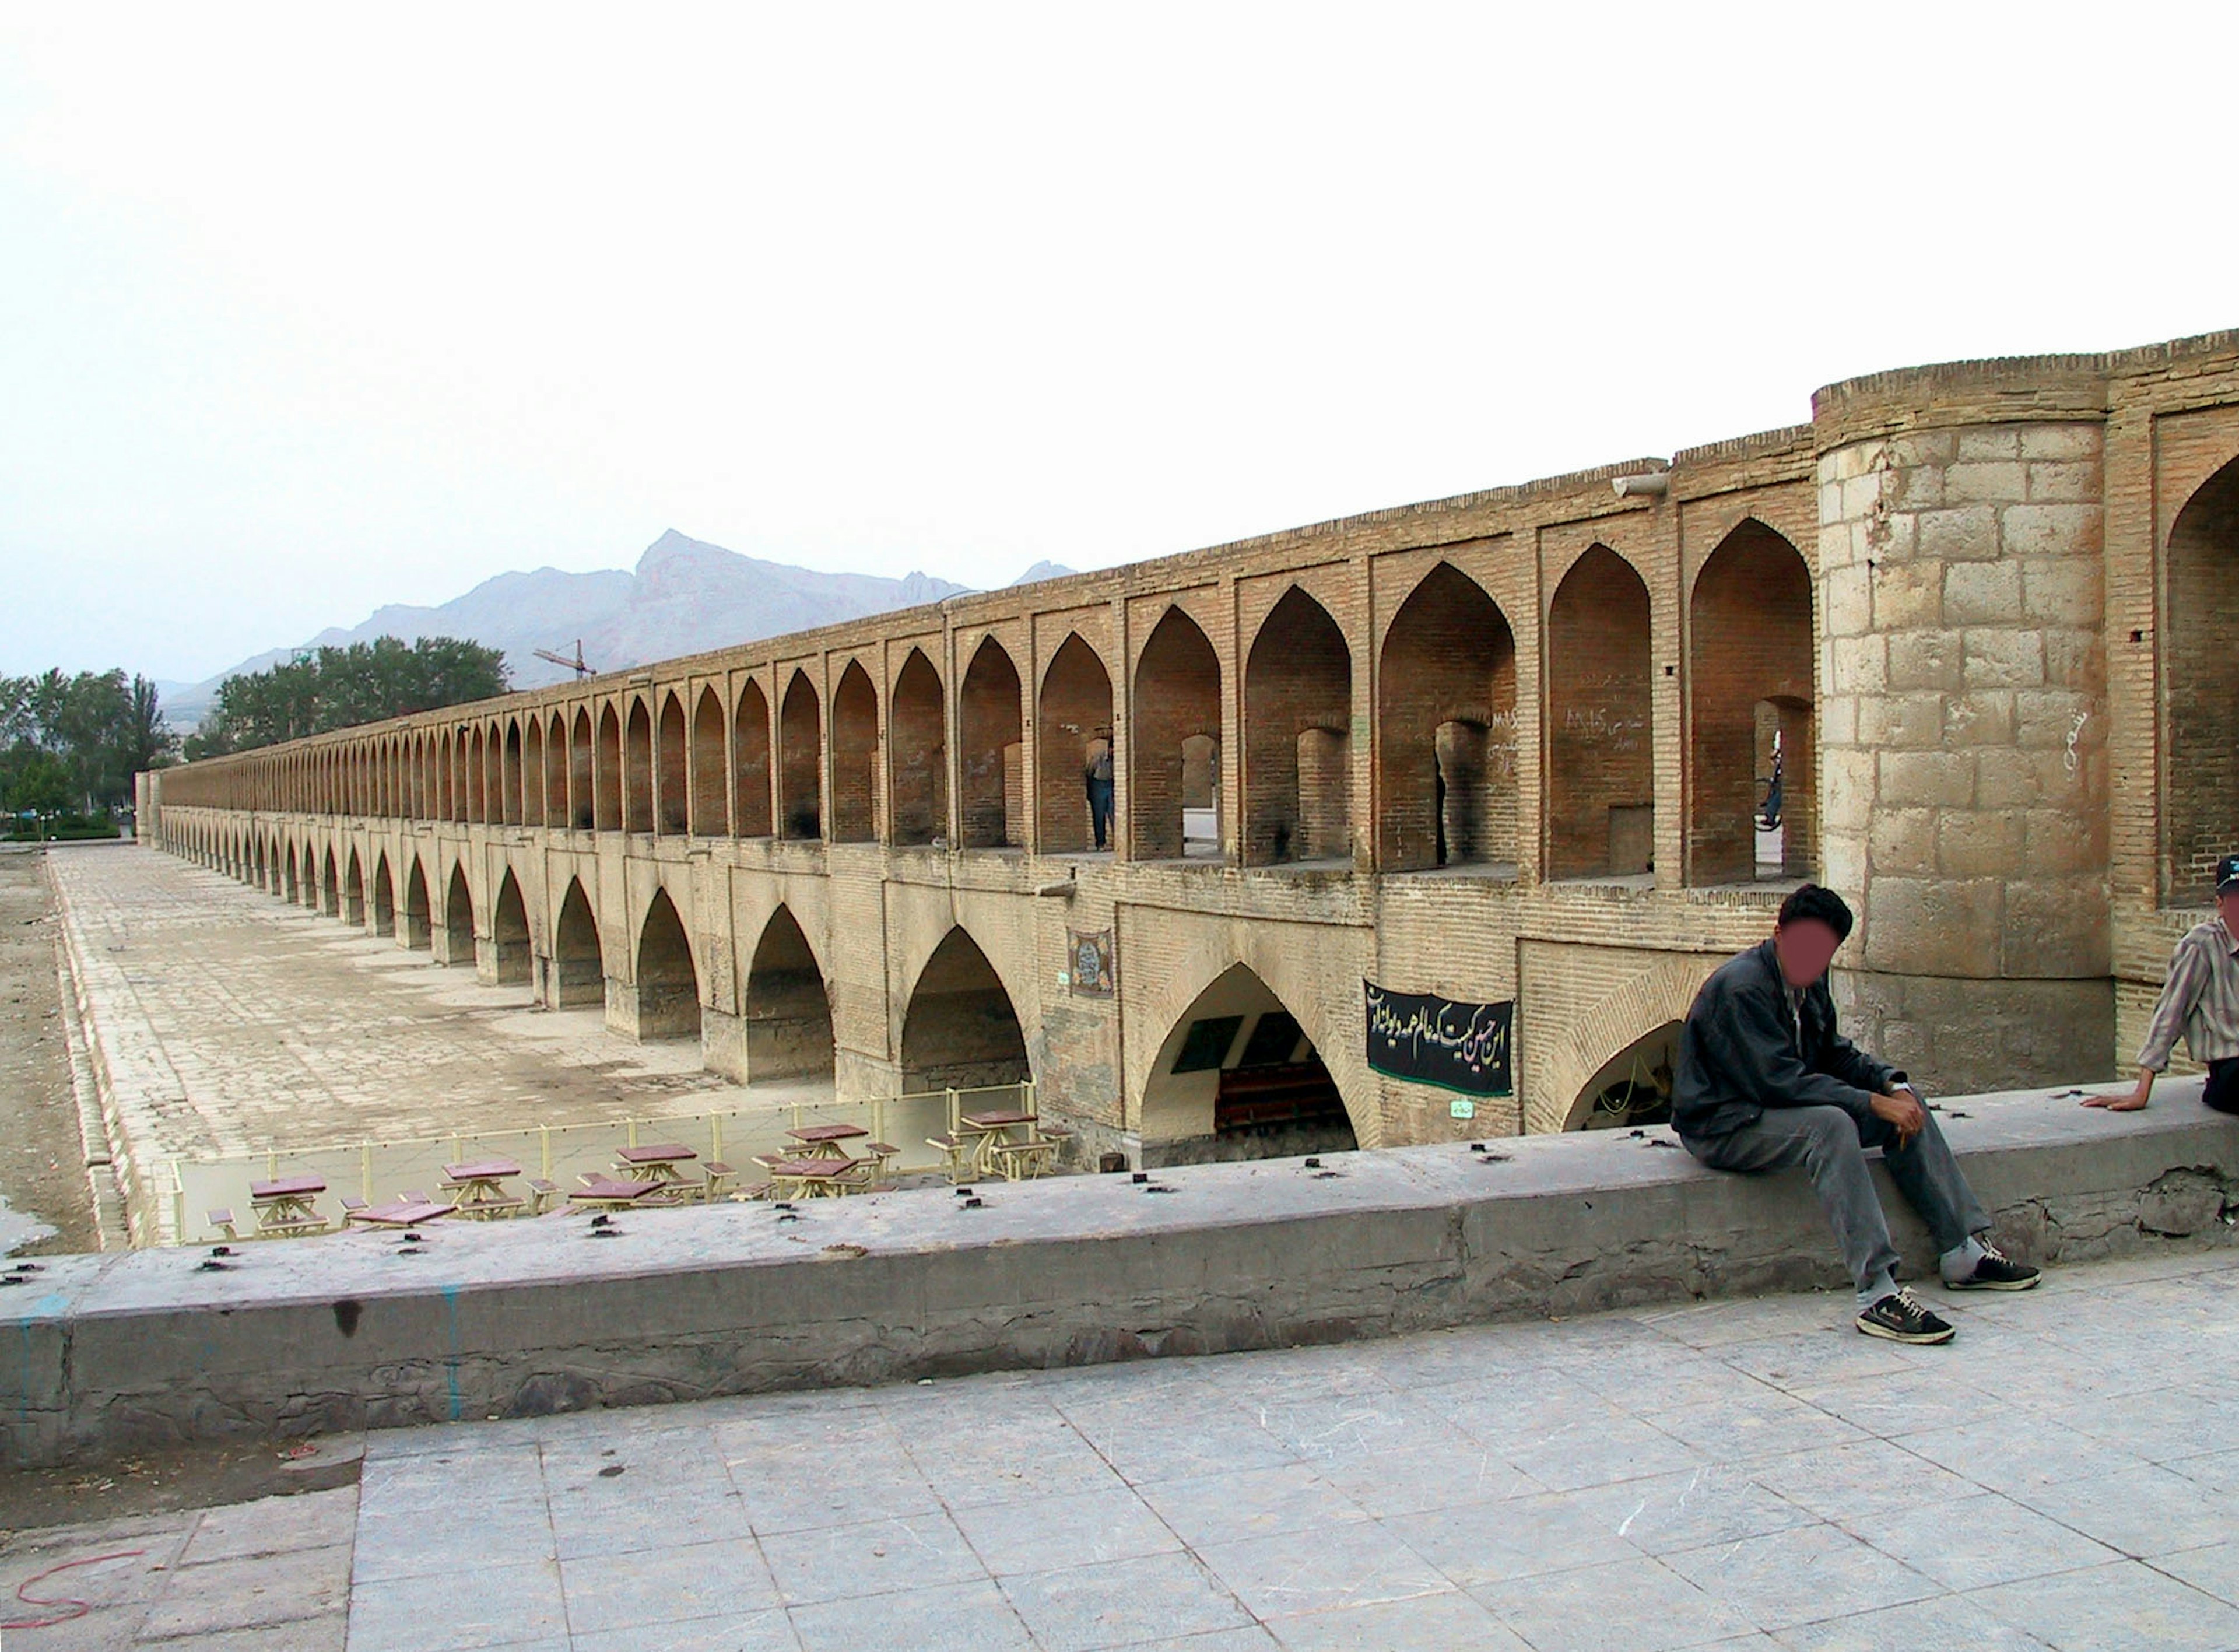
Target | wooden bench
(604,1192)
(404,1213)
(222,1219)
(542,1195)
(955,1152)
(720,1177)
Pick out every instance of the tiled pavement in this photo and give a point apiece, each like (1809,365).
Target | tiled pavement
(1742,1475)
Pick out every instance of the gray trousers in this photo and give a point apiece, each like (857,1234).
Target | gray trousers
(1832,1147)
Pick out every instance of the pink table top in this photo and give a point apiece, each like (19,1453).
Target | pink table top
(656,1153)
(482,1171)
(287,1187)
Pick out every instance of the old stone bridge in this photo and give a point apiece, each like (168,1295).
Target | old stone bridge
(1976,620)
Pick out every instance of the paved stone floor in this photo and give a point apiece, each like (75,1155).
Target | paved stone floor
(1747,1474)
(244,1023)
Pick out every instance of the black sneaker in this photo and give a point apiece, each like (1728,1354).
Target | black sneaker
(1899,1317)
(1996,1271)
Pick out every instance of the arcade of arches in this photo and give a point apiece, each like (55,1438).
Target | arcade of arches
(1558,744)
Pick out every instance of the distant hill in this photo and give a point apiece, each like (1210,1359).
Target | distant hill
(685,597)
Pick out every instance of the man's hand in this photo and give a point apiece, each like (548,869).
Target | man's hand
(2133,1102)
(1903,1112)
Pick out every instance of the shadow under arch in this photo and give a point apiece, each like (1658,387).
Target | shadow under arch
(509,934)
(458,918)
(961,1030)
(788,1008)
(1236,1077)
(579,970)
(667,981)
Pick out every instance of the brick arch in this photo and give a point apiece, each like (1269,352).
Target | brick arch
(1662,992)
(990,748)
(917,761)
(786,1002)
(666,970)
(1298,731)
(637,767)
(853,814)
(955,1033)
(579,948)
(1177,699)
(672,764)
(1073,714)
(2200,688)
(1601,767)
(1445,729)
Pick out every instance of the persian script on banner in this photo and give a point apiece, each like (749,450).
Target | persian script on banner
(1430,1040)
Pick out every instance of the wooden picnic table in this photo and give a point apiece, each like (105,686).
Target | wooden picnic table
(608,1193)
(814,1177)
(405,1213)
(660,1159)
(823,1140)
(1010,1143)
(481,1188)
(284,1205)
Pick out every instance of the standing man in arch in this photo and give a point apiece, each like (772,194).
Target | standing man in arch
(1766,1083)
(2199,999)
(1097,775)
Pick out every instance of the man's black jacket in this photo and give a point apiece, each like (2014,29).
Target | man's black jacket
(1743,1052)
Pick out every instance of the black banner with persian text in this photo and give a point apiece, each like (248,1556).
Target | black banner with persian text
(1430,1040)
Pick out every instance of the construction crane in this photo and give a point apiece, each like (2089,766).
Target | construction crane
(575,665)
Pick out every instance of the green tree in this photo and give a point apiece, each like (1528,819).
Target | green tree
(340,687)
(97,728)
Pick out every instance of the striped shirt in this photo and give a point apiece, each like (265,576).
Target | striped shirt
(2199,1000)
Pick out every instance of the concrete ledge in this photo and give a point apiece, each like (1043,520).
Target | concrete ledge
(100,1354)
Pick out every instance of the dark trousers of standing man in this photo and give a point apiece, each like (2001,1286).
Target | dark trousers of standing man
(2223,1091)
(1831,1147)
(1100,807)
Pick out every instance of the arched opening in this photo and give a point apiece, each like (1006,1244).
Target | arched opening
(917,743)
(453,791)
(384,897)
(1633,1088)
(555,772)
(354,893)
(609,813)
(1073,751)
(579,970)
(961,1031)
(256,862)
(672,798)
(789,1011)
(710,817)
(493,776)
(1177,699)
(581,808)
(1601,809)
(477,799)
(508,808)
(330,889)
(667,985)
(532,773)
(637,768)
(991,738)
(416,934)
(307,886)
(509,934)
(854,757)
(800,739)
(1749,679)
(1238,1078)
(750,762)
(2200,684)
(288,877)
(1297,724)
(458,919)
(1445,731)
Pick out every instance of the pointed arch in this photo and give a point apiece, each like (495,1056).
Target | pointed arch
(1174,731)
(2200,687)
(961,1030)
(493,773)
(458,918)
(1072,734)
(672,788)
(509,777)
(477,790)
(668,979)
(384,897)
(854,757)
(1445,729)
(788,1008)
(991,750)
(511,956)
(610,778)
(917,760)
(1236,1077)
(582,792)
(1752,789)
(800,744)
(532,772)
(353,911)
(750,762)
(710,780)
(579,970)
(330,889)
(637,767)
(415,932)
(1297,736)
(1601,780)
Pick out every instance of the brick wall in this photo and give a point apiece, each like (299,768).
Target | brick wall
(1176,695)
(1600,758)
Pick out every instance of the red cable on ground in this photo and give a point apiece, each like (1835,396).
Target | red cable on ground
(79,1608)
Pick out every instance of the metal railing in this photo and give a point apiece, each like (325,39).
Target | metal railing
(373,1171)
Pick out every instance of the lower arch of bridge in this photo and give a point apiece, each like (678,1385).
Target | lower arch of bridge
(510,958)
(579,970)
(1236,1077)
(458,918)
(788,1009)
(1628,1026)
(307,885)
(330,889)
(2201,679)
(415,915)
(287,891)
(384,897)
(1633,1087)
(961,1031)
(667,984)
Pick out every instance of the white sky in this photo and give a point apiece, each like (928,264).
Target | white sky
(307,308)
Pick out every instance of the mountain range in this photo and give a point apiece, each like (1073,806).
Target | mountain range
(685,597)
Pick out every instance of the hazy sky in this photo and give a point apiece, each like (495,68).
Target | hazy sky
(307,308)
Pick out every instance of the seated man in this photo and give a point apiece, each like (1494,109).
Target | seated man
(1766,1083)
(2200,998)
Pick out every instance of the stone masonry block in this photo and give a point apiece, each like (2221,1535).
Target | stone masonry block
(2060,441)
(1848,601)
(2052,483)
(2052,530)
(1849,776)
(1982,593)
(2046,717)
(2000,659)
(1862,494)
(2056,842)
(1919,488)
(2006,777)
(1915,448)
(1990,441)
(2068,591)
(2057,927)
(1978,842)
(1930,779)
(1926,660)
(1908,595)
(1935,926)
(1903,841)
(1995,482)
(1912,721)
(1838,719)
(1969,533)
(1858,664)
(1984,718)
